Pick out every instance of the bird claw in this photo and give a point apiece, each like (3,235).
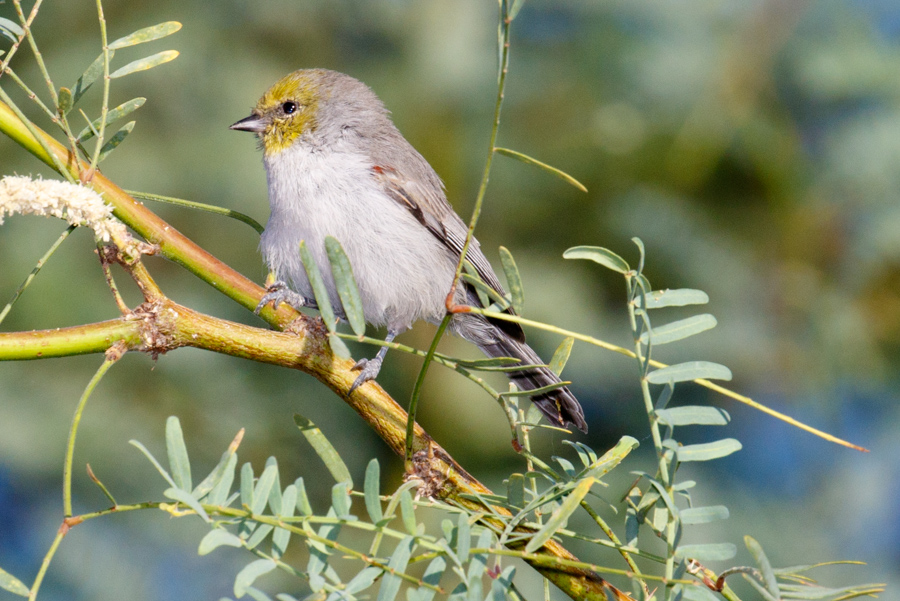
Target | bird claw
(278,292)
(368,369)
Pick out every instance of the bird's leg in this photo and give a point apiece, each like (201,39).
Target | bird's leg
(371,367)
(278,292)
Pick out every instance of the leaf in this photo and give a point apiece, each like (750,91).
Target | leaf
(708,450)
(126,108)
(340,500)
(282,536)
(514,10)
(337,346)
(13,31)
(147,34)
(324,450)
(707,552)
(679,330)
(87,79)
(372,491)
(560,517)
(145,63)
(218,482)
(408,512)
(488,363)
(674,298)
(320,291)
(513,280)
(179,463)
(8,582)
(432,576)
(561,355)
(694,415)
(691,370)
(114,141)
(263,488)
(363,580)
(600,255)
(477,566)
(247,484)
(502,585)
(275,501)
(765,567)
(347,289)
(703,515)
(216,538)
(303,505)
(536,391)
(612,457)
(533,161)
(463,538)
(259,535)
(486,294)
(64,100)
(250,572)
(390,584)
(515,491)
(153,460)
(183,496)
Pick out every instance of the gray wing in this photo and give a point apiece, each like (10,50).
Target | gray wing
(431,209)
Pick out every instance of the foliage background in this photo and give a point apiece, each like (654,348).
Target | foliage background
(753,146)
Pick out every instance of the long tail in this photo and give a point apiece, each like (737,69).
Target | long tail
(559,406)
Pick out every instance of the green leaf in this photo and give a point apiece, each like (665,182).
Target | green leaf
(515,491)
(250,572)
(153,460)
(691,370)
(709,450)
(390,584)
(259,535)
(533,161)
(263,488)
(707,552)
(218,482)
(703,515)
(561,355)
(183,496)
(216,538)
(87,79)
(340,500)
(363,580)
(372,491)
(694,415)
(114,141)
(560,517)
(64,100)
(408,512)
(257,595)
(179,463)
(536,391)
(320,291)
(463,538)
(514,10)
(147,34)
(486,292)
(13,31)
(699,593)
(432,576)
(275,491)
(679,330)
(488,363)
(324,450)
(145,63)
(513,280)
(477,567)
(765,567)
(303,505)
(126,108)
(337,346)
(8,582)
(675,298)
(612,457)
(347,289)
(600,255)
(282,536)
(247,484)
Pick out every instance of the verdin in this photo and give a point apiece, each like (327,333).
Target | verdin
(336,165)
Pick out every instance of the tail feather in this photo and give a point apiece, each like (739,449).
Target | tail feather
(559,406)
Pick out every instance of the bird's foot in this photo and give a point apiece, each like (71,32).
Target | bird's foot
(278,292)
(368,369)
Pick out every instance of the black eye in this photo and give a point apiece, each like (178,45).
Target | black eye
(289,107)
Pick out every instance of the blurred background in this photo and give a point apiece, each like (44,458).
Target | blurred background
(754,146)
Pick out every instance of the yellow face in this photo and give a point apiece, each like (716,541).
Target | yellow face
(290,107)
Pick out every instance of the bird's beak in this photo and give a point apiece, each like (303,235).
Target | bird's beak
(254,123)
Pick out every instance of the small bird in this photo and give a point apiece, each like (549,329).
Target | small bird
(337,166)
